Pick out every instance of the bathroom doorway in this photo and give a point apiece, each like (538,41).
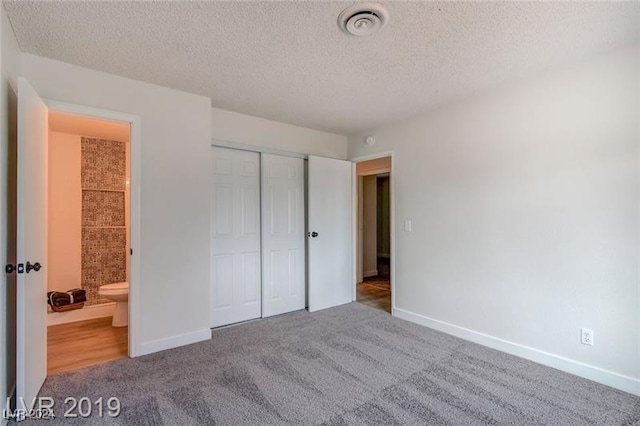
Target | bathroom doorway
(89,240)
(373,248)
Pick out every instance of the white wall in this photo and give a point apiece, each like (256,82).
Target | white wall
(369,226)
(9,71)
(524,205)
(230,126)
(176,134)
(65,213)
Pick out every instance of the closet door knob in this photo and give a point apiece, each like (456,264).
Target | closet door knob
(36,267)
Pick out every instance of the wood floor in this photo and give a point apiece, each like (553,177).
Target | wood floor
(374,296)
(376,291)
(83,343)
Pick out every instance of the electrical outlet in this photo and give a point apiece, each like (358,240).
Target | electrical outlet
(586,336)
(407,225)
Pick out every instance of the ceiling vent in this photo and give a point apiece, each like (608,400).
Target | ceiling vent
(363,18)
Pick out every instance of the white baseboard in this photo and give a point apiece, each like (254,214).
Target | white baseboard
(88,312)
(174,341)
(597,374)
(371,273)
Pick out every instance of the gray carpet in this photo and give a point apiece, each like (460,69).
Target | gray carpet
(346,365)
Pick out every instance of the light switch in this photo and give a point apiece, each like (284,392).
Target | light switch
(407,225)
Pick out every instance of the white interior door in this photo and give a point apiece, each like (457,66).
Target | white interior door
(235,237)
(330,228)
(283,238)
(31,338)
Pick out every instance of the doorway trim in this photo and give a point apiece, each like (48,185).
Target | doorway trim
(392,215)
(135,160)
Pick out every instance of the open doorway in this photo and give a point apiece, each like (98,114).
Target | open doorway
(373,259)
(32,234)
(88,241)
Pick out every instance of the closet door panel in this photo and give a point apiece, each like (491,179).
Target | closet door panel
(235,237)
(283,235)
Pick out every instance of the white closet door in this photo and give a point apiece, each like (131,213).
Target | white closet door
(235,237)
(31,245)
(283,239)
(330,215)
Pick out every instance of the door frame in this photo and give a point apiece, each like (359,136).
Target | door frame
(392,215)
(135,162)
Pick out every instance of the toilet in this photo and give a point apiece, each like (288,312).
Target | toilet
(119,293)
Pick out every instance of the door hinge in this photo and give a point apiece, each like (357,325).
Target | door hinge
(11,268)
(131,252)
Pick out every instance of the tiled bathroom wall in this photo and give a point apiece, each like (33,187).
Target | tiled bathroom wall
(104,232)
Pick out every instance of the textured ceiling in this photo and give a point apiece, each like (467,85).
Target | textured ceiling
(288,61)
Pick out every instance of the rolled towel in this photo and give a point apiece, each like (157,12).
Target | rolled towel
(58,298)
(77,295)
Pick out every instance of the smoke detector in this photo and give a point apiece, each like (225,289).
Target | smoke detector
(363,18)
